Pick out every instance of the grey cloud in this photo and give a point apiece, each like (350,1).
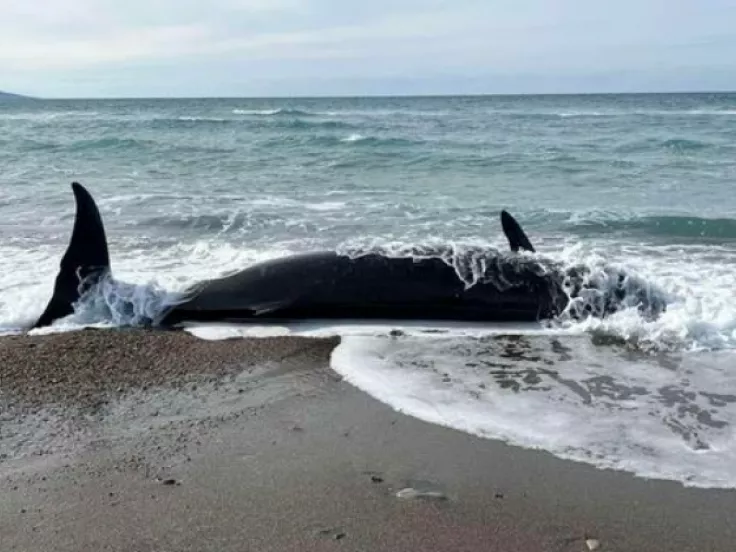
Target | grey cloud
(329,46)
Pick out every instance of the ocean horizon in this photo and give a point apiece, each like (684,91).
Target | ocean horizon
(395,95)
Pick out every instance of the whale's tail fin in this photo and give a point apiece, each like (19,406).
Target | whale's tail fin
(516,236)
(86,259)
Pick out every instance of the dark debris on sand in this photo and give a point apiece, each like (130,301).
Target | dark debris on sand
(84,369)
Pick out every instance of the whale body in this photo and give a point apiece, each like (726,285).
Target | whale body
(511,286)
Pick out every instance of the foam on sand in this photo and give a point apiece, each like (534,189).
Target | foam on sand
(657,417)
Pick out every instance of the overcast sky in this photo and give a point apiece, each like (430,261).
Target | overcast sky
(92,48)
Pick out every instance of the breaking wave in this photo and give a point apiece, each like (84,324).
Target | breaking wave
(281,111)
(699,314)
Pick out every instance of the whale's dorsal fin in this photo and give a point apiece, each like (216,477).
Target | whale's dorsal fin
(516,236)
(85,257)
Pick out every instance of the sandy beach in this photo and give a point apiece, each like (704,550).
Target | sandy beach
(157,441)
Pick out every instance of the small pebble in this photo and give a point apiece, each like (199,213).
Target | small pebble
(592,544)
(410,493)
(330,531)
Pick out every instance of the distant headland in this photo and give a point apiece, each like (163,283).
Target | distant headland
(8,96)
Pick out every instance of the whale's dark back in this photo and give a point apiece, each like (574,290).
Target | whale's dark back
(326,285)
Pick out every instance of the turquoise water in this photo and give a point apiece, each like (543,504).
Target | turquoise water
(194,188)
(191,189)
(651,166)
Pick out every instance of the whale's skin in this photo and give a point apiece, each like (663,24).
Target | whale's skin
(507,286)
(328,285)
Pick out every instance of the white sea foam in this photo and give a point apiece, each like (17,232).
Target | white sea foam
(256,111)
(191,118)
(668,418)
(293,203)
(566,114)
(215,331)
(697,281)
(144,282)
(469,259)
(726,112)
(278,111)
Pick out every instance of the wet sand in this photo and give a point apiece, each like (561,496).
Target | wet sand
(152,441)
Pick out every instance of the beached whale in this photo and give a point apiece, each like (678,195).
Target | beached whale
(510,286)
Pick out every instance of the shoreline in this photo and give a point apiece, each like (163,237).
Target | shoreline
(255,444)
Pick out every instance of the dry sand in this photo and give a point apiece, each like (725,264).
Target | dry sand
(256,445)
(87,368)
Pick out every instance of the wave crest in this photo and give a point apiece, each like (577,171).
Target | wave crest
(121,304)
(279,111)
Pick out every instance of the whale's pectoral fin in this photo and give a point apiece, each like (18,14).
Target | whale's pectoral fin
(86,258)
(266,308)
(516,236)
